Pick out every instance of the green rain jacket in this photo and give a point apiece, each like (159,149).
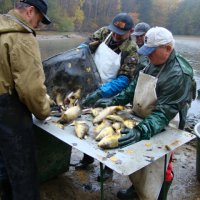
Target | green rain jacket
(174,90)
(20,64)
(129,55)
(143,62)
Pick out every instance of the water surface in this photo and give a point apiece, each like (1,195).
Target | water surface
(187,46)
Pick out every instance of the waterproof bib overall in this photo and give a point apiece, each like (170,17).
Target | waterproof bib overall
(147,181)
(107,61)
(145,95)
(17,148)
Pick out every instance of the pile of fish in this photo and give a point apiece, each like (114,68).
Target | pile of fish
(107,125)
(67,108)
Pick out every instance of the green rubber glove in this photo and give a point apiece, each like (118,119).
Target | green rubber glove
(131,136)
(91,98)
(104,103)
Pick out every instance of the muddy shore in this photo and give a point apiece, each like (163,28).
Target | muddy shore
(82,184)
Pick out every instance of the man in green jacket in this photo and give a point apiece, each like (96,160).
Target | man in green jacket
(161,92)
(22,92)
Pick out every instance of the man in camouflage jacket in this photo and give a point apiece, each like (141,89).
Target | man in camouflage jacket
(121,43)
(117,38)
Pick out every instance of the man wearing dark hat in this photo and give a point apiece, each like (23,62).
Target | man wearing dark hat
(115,56)
(139,33)
(22,92)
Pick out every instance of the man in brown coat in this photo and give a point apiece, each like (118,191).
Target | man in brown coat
(22,92)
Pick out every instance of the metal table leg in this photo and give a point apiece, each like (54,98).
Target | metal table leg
(101,174)
(164,182)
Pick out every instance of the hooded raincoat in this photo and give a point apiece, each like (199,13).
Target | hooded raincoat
(22,92)
(21,68)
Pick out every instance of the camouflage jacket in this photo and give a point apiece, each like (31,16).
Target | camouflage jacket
(129,56)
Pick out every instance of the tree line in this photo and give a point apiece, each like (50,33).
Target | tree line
(179,16)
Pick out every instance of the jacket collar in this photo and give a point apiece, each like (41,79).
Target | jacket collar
(18,19)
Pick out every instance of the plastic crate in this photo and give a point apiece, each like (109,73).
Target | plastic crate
(53,155)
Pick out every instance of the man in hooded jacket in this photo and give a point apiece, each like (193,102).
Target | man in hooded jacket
(22,92)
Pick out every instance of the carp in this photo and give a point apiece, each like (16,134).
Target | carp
(71,99)
(104,132)
(58,96)
(103,124)
(81,129)
(77,94)
(61,126)
(117,125)
(59,100)
(96,111)
(110,141)
(129,123)
(93,111)
(115,118)
(107,111)
(70,114)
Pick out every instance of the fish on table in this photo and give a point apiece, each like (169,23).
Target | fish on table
(81,129)
(97,129)
(105,112)
(70,114)
(110,141)
(104,132)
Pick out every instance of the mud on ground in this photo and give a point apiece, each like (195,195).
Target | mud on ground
(82,184)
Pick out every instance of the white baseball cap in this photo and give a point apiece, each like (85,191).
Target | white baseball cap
(155,37)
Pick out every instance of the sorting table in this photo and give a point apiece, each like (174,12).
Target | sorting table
(124,161)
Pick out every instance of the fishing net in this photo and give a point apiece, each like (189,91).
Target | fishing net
(71,70)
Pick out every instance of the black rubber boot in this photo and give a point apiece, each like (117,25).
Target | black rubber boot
(107,174)
(129,193)
(85,162)
(5,190)
(164,190)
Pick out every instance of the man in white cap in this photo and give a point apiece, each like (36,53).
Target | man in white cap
(22,92)
(161,91)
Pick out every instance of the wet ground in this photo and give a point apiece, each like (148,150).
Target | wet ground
(82,184)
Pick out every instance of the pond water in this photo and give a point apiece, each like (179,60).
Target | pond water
(187,46)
